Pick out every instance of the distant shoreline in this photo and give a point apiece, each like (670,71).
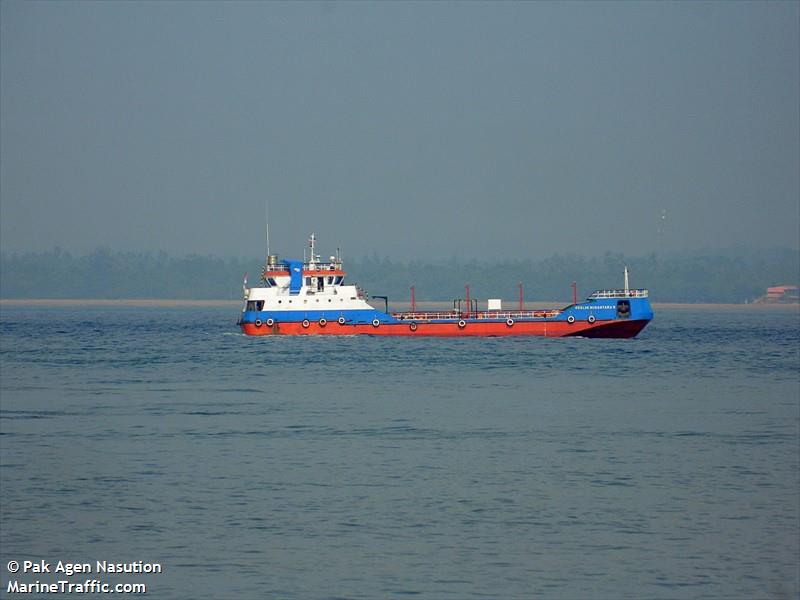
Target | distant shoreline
(425,305)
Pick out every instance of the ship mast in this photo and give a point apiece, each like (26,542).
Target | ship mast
(266,215)
(312,244)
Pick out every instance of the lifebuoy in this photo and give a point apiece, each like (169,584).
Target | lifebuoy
(375,322)
(413,327)
(591,319)
(570,319)
(510,322)
(270,322)
(323,322)
(340,320)
(257,323)
(306,323)
(462,323)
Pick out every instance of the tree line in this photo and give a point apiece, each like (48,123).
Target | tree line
(736,276)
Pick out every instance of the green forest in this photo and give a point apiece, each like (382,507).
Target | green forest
(731,276)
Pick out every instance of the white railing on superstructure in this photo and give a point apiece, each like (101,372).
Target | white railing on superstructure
(620,294)
(306,267)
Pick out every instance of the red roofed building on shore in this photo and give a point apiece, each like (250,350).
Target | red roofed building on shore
(781,294)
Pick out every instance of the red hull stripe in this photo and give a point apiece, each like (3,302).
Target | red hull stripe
(607,329)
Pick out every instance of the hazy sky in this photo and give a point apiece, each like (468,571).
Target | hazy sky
(416,130)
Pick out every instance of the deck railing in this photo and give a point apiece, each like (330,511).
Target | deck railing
(620,294)
(483,314)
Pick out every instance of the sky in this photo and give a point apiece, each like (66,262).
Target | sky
(414,130)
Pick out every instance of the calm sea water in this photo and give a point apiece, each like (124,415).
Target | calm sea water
(660,467)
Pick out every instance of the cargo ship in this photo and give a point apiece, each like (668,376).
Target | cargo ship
(310,297)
